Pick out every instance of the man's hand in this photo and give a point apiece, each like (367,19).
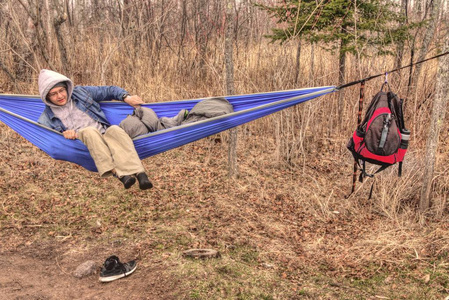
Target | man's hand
(70,134)
(134,100)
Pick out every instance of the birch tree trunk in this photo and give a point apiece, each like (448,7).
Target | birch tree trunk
(438,114)
(230,89)
(400,44)
(428,36)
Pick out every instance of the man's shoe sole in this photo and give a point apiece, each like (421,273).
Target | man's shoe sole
(112,278)
(129,183)
(144,182)
(146,185)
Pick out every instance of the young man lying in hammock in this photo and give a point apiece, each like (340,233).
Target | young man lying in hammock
(75,112)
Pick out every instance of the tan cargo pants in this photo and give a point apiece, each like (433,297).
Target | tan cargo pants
(112,150)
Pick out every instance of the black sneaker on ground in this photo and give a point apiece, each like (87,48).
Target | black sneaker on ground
(113,269)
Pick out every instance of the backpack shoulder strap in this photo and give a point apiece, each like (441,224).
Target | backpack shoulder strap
(377,101)
(396,109)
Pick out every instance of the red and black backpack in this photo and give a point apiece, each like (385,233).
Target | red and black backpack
(381,138)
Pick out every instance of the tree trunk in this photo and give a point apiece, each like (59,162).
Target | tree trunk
(61,18)
(11,76)
(419,8)
(230,89)
(47,16)
(428,36)
(312,65)
(41,34)
(341,80)
(400,45)
(438,114)
(26,53)
(183,32)
(298,61)
(161,32)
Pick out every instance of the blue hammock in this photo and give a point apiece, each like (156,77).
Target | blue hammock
(22,112)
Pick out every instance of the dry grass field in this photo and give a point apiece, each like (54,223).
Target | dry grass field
(284,227)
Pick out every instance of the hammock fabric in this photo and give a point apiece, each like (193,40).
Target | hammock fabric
(22,112)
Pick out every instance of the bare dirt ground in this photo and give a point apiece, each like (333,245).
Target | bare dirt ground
(45,271)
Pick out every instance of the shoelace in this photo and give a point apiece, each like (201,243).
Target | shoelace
(123,267)
(111,263)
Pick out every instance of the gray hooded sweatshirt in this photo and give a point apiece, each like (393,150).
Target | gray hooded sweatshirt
(71,116)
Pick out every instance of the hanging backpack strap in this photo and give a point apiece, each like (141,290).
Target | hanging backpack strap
(385,84)
(371,190)
(364,174)
(374,179)
(354,176)
(359,120)
(400,169)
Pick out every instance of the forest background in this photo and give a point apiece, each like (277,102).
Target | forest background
(282,222)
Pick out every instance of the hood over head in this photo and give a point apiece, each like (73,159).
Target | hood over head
(49,79)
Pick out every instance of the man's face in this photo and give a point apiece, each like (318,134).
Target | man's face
(58,95)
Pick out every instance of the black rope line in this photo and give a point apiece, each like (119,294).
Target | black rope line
(383,74)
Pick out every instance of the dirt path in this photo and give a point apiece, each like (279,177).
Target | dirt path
(26,277)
